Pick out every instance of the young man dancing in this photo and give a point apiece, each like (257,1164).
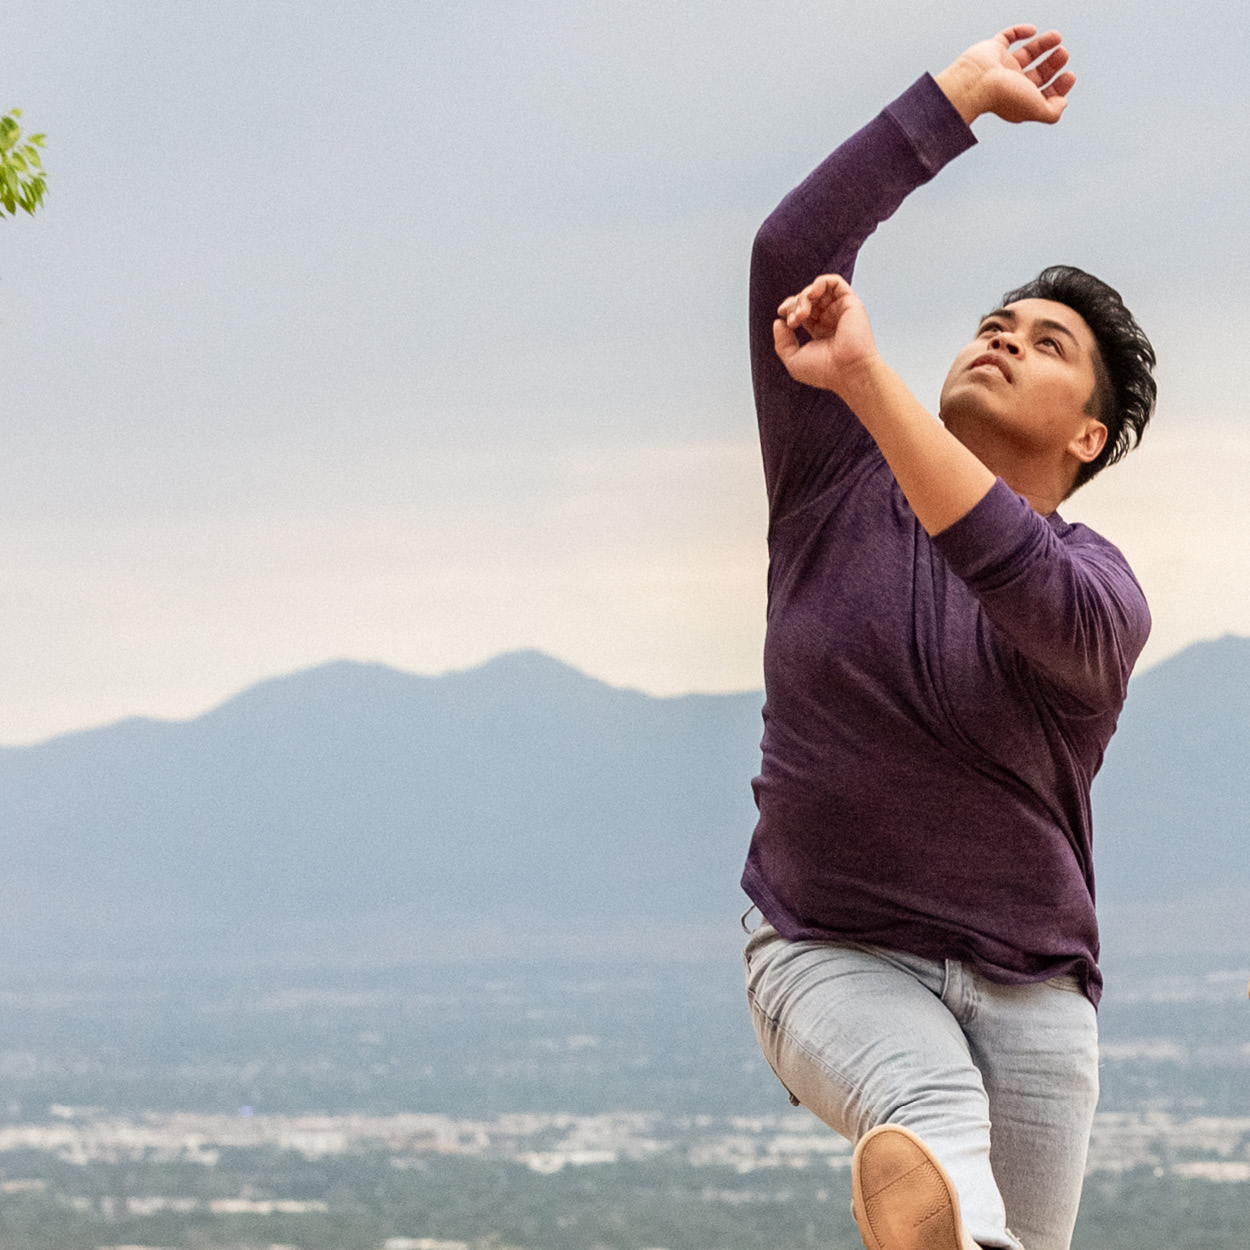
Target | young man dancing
(944,665)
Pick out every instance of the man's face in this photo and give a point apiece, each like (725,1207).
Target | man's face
(1029,374)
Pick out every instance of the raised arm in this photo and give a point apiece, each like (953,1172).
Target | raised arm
(1072,607)
(941,478)
(1073,610)
(807,435)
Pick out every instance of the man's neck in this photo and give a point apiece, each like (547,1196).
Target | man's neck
(1043,481)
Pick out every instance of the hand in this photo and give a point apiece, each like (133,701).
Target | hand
(1024,84)
(841,342)
(939,476)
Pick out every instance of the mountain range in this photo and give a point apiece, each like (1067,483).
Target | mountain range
(358,810)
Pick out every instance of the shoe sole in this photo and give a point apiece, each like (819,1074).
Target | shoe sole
(913,1205)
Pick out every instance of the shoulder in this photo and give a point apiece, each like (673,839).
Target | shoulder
(1086,543)
(1109,564)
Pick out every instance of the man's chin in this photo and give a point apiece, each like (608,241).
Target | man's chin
(968,404)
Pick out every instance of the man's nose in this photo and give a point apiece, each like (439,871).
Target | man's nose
(1006,343)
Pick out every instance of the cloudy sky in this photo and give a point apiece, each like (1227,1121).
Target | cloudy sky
(414,332)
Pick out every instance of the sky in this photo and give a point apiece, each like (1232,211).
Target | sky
(414,332)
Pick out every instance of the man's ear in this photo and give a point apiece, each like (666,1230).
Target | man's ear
(1089,441)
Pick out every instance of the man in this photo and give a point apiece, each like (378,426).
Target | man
(944,665)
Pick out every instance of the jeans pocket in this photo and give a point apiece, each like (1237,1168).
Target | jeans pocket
(767,1033)
(761,935)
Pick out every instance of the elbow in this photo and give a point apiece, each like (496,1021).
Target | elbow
(785,235)
(1107,657)
(768,249)
(778,268)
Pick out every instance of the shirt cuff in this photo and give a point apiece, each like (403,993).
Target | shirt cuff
(931,123)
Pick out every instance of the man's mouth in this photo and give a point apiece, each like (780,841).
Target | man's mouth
(996,362)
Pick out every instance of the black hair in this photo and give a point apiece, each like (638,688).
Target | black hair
(1125,389)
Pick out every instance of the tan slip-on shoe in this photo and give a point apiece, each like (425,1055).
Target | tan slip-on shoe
(902,1197)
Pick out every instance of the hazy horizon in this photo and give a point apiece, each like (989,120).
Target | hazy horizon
(417,334)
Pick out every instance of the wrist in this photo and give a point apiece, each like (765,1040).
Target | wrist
(860,381)
(961,82)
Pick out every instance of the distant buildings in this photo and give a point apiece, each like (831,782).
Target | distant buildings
(1211,1148)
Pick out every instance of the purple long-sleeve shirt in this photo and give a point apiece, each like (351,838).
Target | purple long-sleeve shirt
(936,707)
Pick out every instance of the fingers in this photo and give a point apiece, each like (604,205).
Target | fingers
(786,345)
(1054,97)
(1027,53)
(1014,33)
(1042,60)
(813,299)
(785,342)
(1047,68)
(1061,86)
(798,308)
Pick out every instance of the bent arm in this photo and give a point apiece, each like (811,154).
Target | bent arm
(1070,606)
(939,477)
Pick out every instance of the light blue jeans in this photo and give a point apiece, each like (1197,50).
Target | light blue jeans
(1000,1080)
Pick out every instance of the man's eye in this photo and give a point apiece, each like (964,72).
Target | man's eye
(1053,342)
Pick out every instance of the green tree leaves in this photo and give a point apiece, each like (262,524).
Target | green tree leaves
(22,181)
